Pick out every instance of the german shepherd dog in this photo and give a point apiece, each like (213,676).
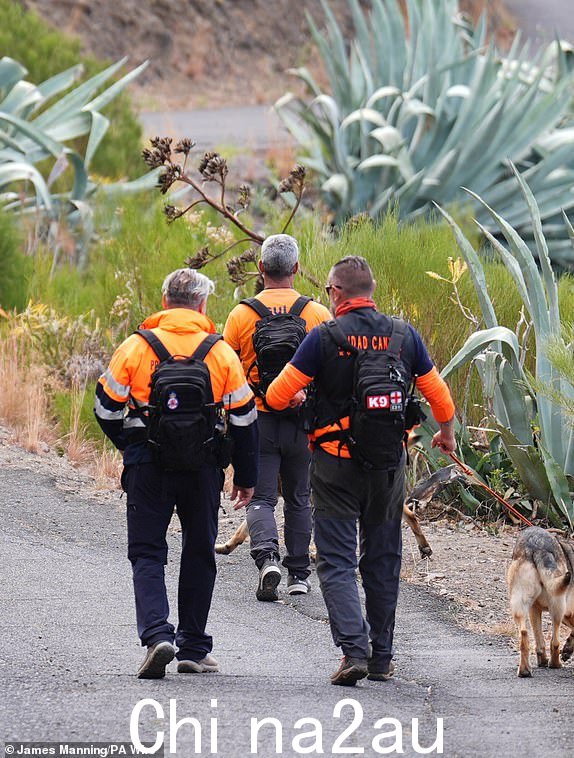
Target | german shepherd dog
(420,497)
(541,578)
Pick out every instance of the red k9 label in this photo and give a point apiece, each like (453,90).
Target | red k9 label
(392,401)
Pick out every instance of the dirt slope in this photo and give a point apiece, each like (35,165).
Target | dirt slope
(206,53)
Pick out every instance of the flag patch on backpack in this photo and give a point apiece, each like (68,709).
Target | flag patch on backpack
(184,424)
(392,401)
(377,409)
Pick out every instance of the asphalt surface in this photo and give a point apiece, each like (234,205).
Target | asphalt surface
(543,20)
(69,653)
(256,127)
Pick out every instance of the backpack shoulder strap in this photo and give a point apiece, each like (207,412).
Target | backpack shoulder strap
(297,308)
(260,309)
(397,336)
(205,346)
(155,343)
(337,335)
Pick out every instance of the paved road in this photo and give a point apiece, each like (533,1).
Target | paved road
(257,126)
(68,653)
(543,19)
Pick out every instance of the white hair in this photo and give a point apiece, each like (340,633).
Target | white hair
(279,254)
(187,288)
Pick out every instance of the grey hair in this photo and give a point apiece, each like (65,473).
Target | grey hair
(186,288)
(279,254)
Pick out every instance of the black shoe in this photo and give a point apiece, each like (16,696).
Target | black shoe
(269,578)
(156,659)
(350,671)
(381,674)
(297,586)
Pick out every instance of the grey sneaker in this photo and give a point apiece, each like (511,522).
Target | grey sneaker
(155,661)
(204,666)
(381,674)
(297,586)
(350,671)
(269,578)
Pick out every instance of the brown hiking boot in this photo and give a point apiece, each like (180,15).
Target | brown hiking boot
(204,666)
(381,675)
(350,671)
(156,659)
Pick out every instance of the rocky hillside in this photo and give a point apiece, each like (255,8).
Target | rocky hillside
(206,53)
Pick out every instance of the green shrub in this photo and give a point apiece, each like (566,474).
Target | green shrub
(14,265)
(46,51)
(61,408)
(122,283)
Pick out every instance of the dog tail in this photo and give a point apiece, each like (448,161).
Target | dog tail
(555,583)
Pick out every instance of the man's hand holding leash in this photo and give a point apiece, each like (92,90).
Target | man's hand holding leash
(444,439)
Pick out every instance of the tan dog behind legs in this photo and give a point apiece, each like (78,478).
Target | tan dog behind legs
(421,495)
(541,578)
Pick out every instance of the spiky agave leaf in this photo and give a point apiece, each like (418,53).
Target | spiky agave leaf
(27,138)
(459,110)
(532,419)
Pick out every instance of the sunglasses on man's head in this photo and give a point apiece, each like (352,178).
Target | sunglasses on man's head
(330,287)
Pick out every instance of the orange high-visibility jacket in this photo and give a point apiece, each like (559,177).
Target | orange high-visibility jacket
(125,384)
(240,325)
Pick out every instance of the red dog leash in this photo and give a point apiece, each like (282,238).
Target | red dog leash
(495,495)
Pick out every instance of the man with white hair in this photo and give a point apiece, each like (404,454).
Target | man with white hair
(265,332)
(173,450)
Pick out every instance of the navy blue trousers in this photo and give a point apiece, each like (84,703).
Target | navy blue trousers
(152,495)
(345,496)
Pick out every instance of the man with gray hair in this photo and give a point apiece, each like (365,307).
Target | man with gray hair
(265,332)
(173,447)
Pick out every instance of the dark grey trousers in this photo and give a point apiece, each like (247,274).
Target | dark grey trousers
(283,452)
(344,494)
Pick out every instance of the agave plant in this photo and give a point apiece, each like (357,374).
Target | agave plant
(411,116)
(561,356)
(35,128)
(533,426)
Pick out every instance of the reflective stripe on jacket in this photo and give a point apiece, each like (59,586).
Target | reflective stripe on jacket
(126,382)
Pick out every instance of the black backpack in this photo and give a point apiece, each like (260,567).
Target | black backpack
(184,425)
(378,409)
(275,341)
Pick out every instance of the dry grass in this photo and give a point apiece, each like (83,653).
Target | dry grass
(78,450)
(106,468)
(504,629)
(23,400)
(25,411)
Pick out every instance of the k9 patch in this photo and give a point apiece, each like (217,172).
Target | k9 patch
(393,401)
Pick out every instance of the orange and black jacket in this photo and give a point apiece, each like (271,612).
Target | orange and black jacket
(240,325)
(125,386)
(320,360)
